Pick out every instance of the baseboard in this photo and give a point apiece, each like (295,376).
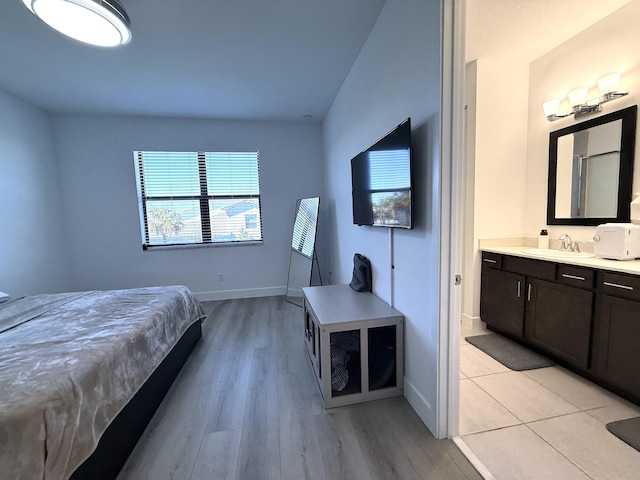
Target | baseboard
(471,322)
(244,293)
(421,406)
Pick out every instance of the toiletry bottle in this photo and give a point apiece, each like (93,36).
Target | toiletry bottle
(543,239)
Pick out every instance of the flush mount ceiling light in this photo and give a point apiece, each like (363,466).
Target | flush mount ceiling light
(98,22)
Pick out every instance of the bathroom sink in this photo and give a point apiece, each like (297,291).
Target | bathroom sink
(548,252)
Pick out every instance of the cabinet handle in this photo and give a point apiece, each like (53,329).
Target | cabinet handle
(529,293)
(488,260)
(518,288)
(617,285)
(574,277)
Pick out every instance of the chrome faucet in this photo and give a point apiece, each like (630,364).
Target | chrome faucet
(564,246)
(568,245)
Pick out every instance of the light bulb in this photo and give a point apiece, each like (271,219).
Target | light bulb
(578,96)
(609,83)
(551,107)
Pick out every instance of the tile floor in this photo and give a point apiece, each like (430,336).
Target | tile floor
(541,424)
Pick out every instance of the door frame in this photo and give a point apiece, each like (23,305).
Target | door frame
(452,214)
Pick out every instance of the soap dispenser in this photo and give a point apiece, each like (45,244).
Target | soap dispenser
(543,239)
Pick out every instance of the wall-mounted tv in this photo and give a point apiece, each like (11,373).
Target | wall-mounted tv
(381,181)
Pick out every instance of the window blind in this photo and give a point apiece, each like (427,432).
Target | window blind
(198,197)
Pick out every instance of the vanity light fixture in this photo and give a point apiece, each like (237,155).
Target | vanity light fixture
(579,103)
(103,23)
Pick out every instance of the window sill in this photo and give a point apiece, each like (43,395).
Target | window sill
(158,248)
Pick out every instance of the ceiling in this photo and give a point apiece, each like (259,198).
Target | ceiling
(524,30)
(232,59)
(245,59)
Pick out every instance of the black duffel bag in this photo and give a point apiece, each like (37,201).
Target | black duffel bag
(361,281)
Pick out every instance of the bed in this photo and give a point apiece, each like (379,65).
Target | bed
(82,373)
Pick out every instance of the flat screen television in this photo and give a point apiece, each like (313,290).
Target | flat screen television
(381,181)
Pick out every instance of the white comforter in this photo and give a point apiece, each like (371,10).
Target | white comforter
(70,362)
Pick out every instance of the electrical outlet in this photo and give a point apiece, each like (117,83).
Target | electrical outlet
(221,277)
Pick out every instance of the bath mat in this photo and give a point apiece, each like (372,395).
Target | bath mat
(627,430)
(508,352)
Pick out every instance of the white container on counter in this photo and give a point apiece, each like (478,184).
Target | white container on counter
(543,239)
(617,241)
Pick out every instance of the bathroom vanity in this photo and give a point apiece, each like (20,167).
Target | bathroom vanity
(582,312)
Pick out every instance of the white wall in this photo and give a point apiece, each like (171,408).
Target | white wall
(608,46)
(396,75)
(33,250)
(498,140)
(469,249)
(99,195)
(501,148)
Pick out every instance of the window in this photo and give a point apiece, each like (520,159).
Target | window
(198,197)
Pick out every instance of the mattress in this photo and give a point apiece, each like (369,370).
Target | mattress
(70,362)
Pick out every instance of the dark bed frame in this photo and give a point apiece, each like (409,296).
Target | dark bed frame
(120,438)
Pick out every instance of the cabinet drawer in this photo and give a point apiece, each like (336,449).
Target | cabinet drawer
(530,268)
(576,276)
(491,260)
(619,285)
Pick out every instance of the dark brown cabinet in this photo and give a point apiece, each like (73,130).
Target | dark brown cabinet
(536,301)
(559,320)
(502,301)
(584,318)
(617,343)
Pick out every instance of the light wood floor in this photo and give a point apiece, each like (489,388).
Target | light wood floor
(246,406)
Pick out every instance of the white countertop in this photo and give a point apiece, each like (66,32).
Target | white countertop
(624,266)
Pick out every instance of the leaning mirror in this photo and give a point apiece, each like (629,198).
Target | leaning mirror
(590,170)
(303,248)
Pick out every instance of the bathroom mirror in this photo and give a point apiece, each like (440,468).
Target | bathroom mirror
(590,170)
(303,244)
